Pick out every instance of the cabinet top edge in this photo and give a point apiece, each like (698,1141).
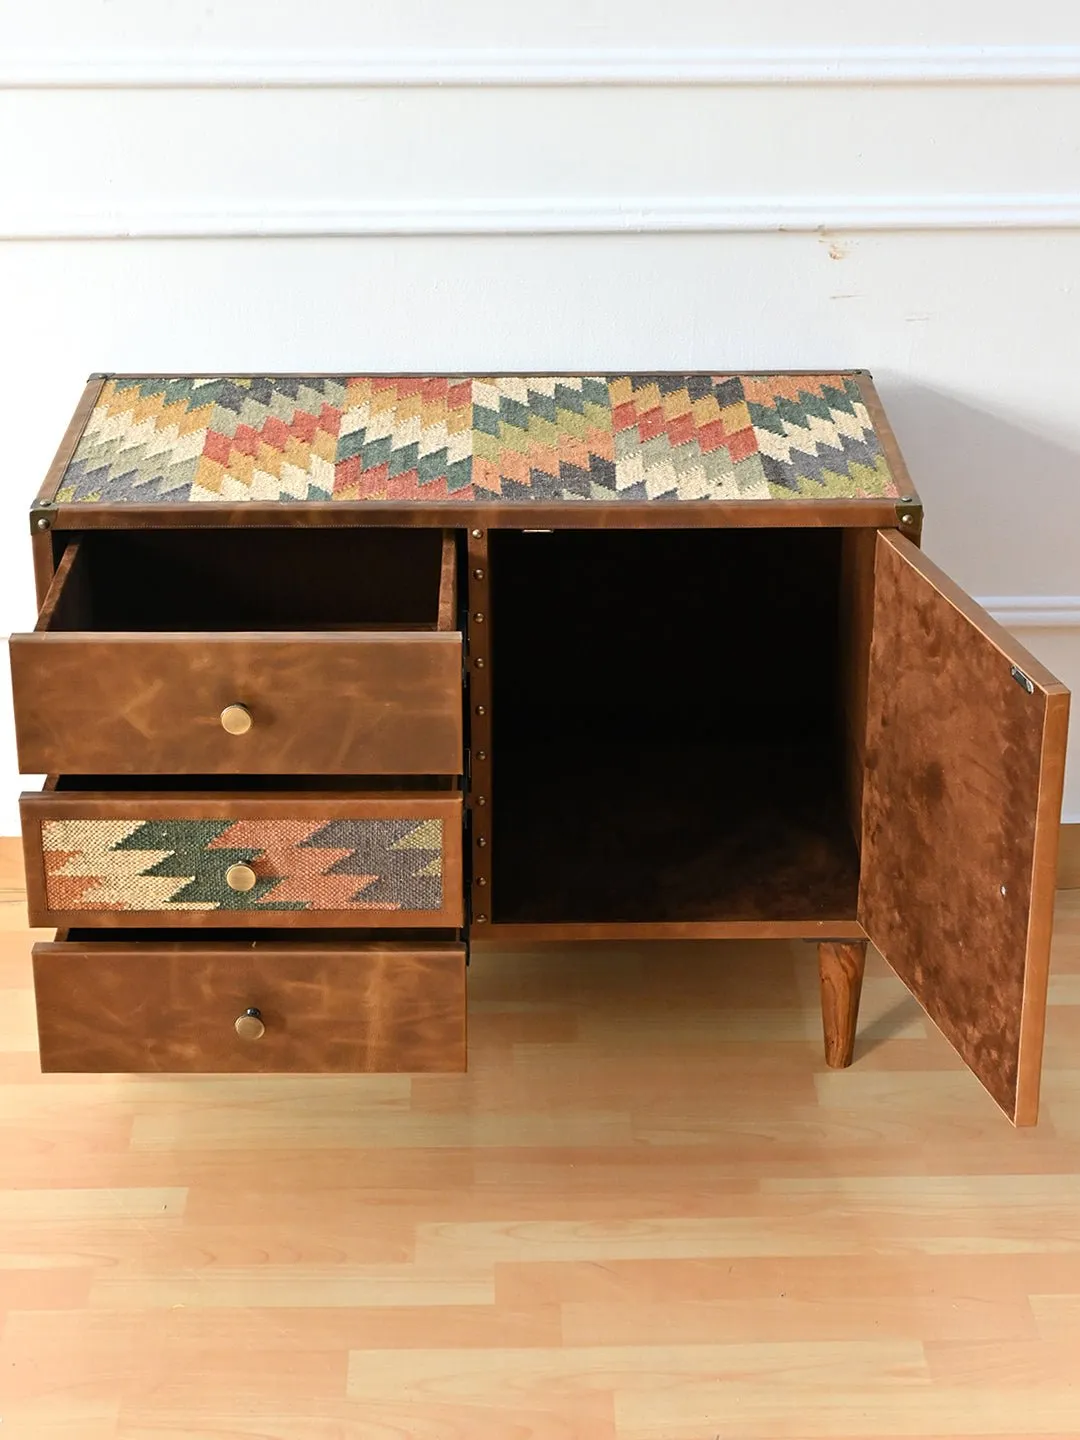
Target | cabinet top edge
(871,514)
(458,445)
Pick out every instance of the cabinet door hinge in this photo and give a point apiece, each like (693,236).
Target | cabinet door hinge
(909,517)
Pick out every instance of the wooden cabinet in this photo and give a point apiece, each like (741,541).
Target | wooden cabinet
(518,658)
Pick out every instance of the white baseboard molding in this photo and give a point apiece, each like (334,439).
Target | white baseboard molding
(712,65)
(1034,612)
(557,215)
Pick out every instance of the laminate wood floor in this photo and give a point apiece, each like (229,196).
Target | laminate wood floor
(648,1212)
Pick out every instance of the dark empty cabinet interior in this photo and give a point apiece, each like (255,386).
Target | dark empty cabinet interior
(294,578)
(670,726)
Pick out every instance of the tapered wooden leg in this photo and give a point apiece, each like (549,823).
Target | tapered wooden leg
(841,963)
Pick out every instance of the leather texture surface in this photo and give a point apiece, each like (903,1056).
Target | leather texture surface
(158,1007)
(321,704)
(954,760)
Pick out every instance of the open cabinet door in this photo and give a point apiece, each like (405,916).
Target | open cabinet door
(965,760)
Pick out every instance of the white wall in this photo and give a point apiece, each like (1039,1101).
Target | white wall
(921,218)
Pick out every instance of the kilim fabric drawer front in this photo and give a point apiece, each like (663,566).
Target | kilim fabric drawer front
(184,859)
(232,1004)
(244,652)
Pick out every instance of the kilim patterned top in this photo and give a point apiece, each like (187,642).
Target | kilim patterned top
(507,438)
(173,864)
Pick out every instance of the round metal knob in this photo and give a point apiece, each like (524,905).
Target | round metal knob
(241,878)
(236,719)
(249,1025)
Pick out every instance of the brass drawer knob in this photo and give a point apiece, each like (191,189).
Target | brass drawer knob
(241,878)
(236,719)
(249,1025)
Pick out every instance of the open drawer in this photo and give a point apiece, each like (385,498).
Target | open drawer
(249,651)
(232,1002)
(280,858)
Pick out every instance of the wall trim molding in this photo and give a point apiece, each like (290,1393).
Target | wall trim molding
(761,65)
(555,215)
(1034,612)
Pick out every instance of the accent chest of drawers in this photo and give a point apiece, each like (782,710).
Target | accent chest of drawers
(334,676)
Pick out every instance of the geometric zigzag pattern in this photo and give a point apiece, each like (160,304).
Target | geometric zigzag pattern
(299,864)
(513,438)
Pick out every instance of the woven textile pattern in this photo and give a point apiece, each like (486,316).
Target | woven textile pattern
(512,438)
(299,864)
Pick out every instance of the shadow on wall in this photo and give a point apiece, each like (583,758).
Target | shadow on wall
(1002,501)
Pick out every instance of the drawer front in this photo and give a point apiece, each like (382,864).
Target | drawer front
(154,1006)
(318,704)
(189,860)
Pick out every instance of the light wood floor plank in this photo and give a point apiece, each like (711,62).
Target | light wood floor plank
(648,1212)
